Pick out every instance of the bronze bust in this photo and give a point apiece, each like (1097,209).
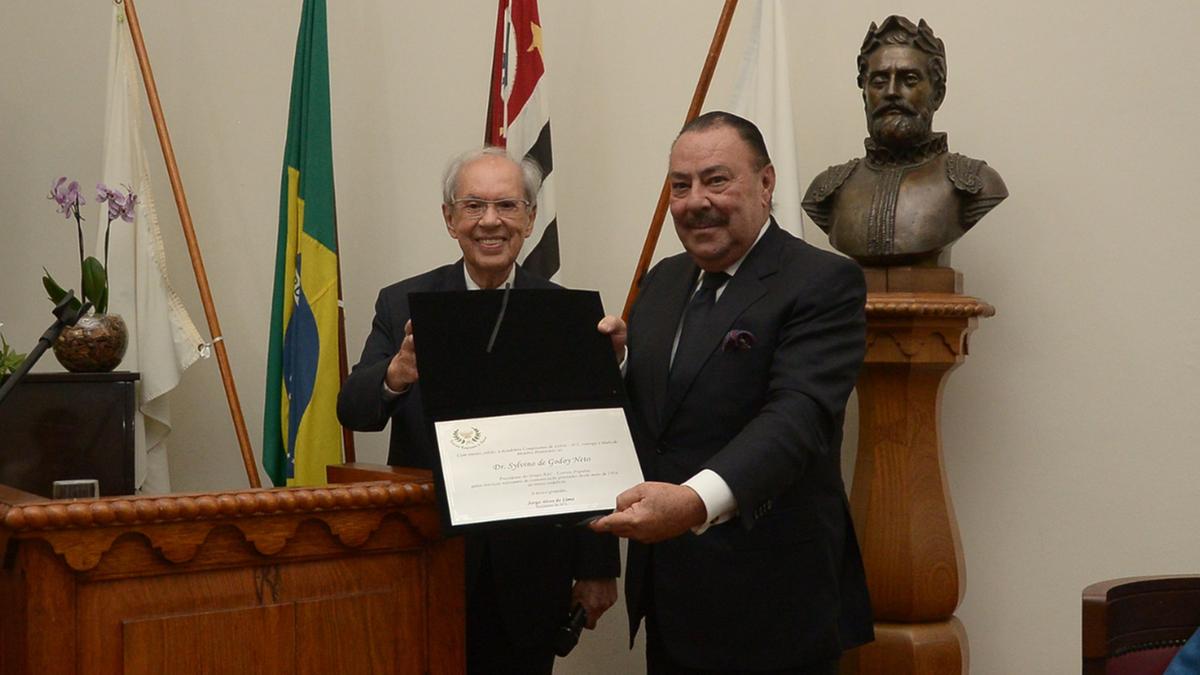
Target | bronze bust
(909,198)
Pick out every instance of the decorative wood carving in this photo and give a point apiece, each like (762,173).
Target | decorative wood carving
(914,305)
(82,532)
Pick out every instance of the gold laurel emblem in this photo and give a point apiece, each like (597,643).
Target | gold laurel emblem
(466,438)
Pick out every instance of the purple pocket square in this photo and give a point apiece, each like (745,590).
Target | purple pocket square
(738,340)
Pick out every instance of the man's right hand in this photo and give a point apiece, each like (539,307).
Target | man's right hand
(652,512)
(402,371)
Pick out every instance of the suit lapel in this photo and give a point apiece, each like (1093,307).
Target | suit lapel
(521,278)
(455,279)
(742,291)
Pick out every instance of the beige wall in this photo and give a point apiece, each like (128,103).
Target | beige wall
(1070,435)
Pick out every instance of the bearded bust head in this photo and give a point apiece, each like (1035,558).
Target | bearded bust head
(902,74)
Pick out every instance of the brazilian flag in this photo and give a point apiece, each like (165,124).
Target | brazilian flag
(301,434)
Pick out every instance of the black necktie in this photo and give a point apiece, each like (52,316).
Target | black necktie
(692,346)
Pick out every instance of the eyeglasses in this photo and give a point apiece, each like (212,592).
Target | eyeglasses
(475,208)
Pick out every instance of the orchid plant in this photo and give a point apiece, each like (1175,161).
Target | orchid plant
(93,274)
(9,358)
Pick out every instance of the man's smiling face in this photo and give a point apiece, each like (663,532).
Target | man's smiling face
(720,197)
(490,242)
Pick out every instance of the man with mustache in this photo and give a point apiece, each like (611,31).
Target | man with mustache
(520,582)
(909,199)
(741,354)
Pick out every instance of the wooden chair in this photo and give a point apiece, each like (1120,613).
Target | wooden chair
(1134,626)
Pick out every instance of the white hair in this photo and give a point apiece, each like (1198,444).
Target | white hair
(531,172)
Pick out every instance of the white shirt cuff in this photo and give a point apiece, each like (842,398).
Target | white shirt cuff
(719,502)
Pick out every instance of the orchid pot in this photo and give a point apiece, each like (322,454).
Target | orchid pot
(95,344)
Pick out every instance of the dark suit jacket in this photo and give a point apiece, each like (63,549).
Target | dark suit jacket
(532,566)
(782,584)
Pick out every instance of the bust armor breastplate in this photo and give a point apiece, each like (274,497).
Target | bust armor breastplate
(899,210)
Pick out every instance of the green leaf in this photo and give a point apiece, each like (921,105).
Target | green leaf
(9,358)
(95,284)
(102,303)
(56,292)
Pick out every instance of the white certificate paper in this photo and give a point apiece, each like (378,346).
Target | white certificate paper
(537,464)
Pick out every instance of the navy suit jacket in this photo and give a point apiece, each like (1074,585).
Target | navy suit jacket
(532,567)
(782,584)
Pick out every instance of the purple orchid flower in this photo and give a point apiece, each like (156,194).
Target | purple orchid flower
(738,340)
(127,208)
(120,204)
(104,193)
(67,197)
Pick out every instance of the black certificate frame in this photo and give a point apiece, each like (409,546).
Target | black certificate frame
(509,352)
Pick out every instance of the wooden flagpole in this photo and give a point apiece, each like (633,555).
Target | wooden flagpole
(660,211)
(185,219)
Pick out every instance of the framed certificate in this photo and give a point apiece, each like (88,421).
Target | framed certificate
(527,406)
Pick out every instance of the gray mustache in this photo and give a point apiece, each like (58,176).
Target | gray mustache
(704,219)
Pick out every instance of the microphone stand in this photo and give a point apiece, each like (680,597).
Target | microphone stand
(64,316)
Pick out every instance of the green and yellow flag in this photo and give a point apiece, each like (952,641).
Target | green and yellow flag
(301,434)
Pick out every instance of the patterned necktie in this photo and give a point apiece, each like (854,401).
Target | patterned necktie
(691,345)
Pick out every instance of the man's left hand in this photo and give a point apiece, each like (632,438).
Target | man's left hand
(617,332)
(596,596)
(652,512)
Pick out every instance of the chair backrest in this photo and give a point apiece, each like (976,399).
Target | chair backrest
(1134,626)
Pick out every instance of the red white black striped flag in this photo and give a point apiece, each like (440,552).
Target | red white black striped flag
(518,118)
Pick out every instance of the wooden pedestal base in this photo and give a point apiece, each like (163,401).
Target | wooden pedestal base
(900,499)
(909,649)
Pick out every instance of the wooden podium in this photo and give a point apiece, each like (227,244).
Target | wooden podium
(350,578)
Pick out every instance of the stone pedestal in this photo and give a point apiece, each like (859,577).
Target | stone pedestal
(917,328)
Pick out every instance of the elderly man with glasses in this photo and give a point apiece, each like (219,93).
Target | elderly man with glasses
(520,583)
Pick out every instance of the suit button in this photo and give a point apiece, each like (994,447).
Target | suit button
(658,450)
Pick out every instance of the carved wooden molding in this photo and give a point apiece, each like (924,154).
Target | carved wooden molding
(221,506)
(176,527)
(180,543)
(942,305)
(934,345)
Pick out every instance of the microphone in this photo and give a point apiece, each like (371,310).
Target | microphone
(496,328)
(64,316)
(567,635)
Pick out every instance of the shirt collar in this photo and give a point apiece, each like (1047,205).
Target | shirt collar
(472,286)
